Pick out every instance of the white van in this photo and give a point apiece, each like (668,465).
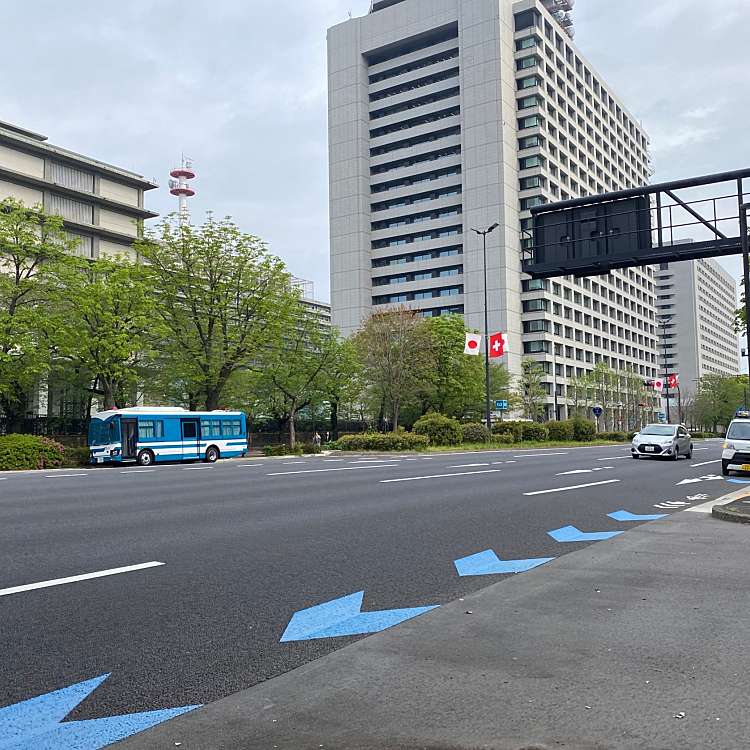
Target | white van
(736,453)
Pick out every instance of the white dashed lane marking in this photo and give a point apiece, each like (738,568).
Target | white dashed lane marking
(441,476)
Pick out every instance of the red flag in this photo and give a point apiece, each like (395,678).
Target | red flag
(497,345)
(673,381)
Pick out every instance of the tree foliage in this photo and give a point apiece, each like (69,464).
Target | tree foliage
(529,389)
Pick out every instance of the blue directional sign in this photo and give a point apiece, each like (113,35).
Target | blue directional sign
(598,411)
(38,722)
(501,405)
(488,563)
(344,616)
(624,515)
(572,534)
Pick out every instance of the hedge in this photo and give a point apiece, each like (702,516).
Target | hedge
(560,431)
(440,430)
(285,450)
(29,452)
(534,432)
(376,441)
(515,428)
(474,433)
(615,437)
(503,438)
(583,430)
(77,455)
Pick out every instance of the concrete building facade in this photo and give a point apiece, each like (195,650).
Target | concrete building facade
(696,302)
(451,115)
(102,205)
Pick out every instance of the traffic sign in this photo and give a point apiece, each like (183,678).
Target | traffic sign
(598,411)
(501,405)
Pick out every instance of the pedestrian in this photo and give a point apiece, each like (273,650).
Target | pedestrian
(328,437)
(316,439)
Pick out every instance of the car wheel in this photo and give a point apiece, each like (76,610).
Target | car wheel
(725,468)
(634,455)
(676,454)
(145,458)
(212,455)
(689,454)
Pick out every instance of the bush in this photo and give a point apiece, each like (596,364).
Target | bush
(503,438)
(474,433)
(440,430)
(534,432)
(515,428)
(309,448)
(29,452)
(631,435)
(281,450)
(76,455)
(377,441)
(615,437)
(583,430)
(560,431)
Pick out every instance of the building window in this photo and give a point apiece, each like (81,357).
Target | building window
(535,347)
(535,305)
(529,122)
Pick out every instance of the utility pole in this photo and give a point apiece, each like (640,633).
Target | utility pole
(663,325)
(488,411)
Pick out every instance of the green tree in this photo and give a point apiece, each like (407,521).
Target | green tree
(458,380)
(717,399)
(396,350)
(342,380)
(104,319)
(530,389)
(295,374)
(222,301)
(31,245)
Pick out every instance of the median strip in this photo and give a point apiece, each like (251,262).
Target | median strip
(440,476)
(74,579)
(574,487)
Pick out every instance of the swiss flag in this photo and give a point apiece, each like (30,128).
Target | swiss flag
(658,384)
(673,381)
(473,342)
(497,345)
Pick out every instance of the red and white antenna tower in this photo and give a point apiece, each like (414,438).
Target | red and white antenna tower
(179,186)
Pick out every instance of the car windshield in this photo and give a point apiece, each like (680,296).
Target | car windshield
(739,431)
(103,432)
(665,430)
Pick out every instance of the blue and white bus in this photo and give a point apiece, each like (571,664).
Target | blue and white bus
(149,434)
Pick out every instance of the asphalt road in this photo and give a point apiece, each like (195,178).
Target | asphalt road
(246,544)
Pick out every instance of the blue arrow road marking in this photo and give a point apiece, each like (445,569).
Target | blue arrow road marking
(624,515)
(739,481)
(344,616)
(488,563)
(38,722)
(572,534)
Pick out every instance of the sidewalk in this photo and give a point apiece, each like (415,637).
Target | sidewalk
(637,642)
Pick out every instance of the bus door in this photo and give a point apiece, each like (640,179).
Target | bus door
(129,428)
(190,438)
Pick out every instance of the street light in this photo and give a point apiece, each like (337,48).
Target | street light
(488,414)
(744,208)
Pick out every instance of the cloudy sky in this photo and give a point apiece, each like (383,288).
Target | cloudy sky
(240,86)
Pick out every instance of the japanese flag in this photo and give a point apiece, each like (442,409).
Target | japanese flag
(658,384)
(497,345)
(473,342)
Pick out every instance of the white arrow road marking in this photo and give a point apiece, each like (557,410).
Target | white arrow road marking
(73,579)
(706,463)
(697,497)
(574,487)
(583,471)
(707,478)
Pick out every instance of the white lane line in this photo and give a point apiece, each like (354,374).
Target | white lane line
(612,458)
(196,468)
(497,463)
(62,476)
(242,466)
(376,461)
(440,476)
(539,455)
(293,463)
(574,487)
(137,471)
(706,463)
(340,468)
(74,579)
(465,466)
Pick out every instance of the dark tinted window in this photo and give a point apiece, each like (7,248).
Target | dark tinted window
(189,430)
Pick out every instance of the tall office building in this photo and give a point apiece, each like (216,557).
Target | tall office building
(450,115)
(696,301)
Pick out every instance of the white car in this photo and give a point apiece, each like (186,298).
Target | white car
(736,453)
(664,440)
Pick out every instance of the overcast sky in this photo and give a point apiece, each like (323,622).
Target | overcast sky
(240,86)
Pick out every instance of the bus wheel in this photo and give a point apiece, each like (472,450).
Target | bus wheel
(145,458)
(212,455)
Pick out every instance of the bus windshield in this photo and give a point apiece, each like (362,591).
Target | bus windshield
(103,432)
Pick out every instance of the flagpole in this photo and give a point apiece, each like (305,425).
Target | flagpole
(488,412)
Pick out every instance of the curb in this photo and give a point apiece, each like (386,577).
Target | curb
(725,510)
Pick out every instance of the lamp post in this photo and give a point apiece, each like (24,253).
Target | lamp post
(663,325)
(488,412)
(744,208)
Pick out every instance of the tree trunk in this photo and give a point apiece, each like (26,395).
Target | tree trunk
(109,394)
(335,420)
(381,417)
(396,414)
(292,431)
(13,410)
(212,400)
